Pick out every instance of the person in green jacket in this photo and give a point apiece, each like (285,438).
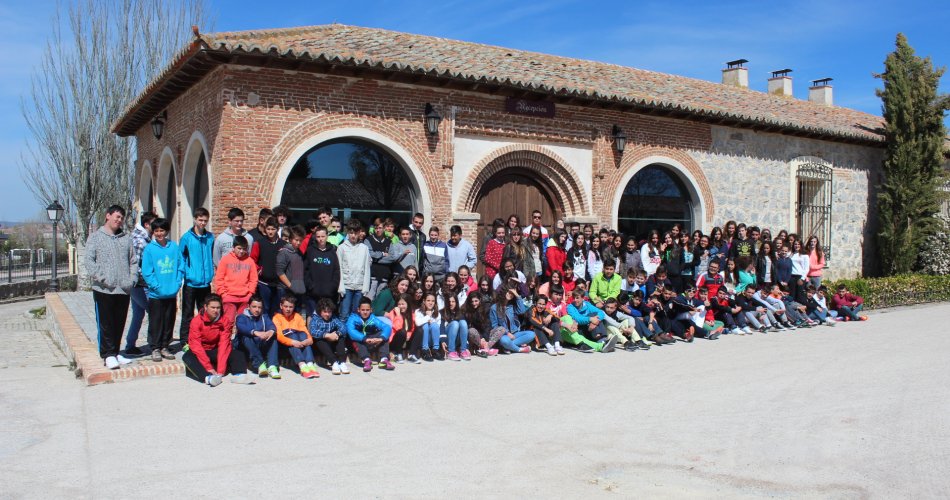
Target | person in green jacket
(385,300)
(605,285)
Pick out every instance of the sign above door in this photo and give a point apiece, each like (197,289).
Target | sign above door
(516,106)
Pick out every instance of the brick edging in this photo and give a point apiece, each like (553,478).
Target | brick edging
(67,333)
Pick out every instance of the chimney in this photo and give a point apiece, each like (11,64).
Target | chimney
(781,84)
(820,92)
(735,75)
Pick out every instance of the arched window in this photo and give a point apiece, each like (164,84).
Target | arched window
(355,178)
(655,198)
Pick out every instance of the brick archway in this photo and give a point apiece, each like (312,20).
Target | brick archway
(677,161)
(545,163)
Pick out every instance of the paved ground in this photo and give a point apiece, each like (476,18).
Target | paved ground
(852,412)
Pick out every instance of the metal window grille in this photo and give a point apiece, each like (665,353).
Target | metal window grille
(814,203)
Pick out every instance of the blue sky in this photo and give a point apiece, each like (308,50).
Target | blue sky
(845,40)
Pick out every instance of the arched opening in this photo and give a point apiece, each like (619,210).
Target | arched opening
(516,191)
(355,178)
(146,192)
(196,187)
(167,188)
(655,198)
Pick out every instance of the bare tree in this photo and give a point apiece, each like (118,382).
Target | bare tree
(100,54)
(379,174)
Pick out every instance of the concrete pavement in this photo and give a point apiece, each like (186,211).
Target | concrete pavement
(851,412)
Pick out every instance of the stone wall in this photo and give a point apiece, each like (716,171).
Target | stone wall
(753,180)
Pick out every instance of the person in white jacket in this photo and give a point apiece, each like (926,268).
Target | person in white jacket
(429,326)
(354,268)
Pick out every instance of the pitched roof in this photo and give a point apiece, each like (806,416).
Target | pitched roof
(491,68)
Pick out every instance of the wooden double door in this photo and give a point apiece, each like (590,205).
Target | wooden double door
(515,191)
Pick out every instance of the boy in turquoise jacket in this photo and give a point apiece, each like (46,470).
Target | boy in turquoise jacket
(197,248)
(163,272)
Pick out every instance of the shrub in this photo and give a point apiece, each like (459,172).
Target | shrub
(934,257)
(903,289)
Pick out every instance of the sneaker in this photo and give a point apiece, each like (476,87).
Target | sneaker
(262,370)
(747,330)
(735,331)
(584,348)
(559,350)
(831,323)
(788,325)
(242,379)
(413,359)
(642,345)
(454,356)
(550,349)
(481,353)
(863,318)
(438,354)
(466,355)
(213,380)
(382,363)
(629,346)
(763,329)
(167,354)
(713,336)
(666,338)
(313,370)
(524,349)
(427,355)
(273,372)
(367,365)
(387,365)
(609,345)
(400,359)
(133,351)
(647,341)
(688,335)
(345,370)
(493,352)
(123,360)
(335,369)
(156,356)
(112,363)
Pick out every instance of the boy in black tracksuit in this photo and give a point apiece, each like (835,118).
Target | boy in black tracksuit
(727,311)
(264,254)
(321,271)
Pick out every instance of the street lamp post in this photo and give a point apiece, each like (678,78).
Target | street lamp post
(55,213)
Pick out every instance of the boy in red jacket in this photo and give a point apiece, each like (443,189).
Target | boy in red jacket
(209,337)
(847,304)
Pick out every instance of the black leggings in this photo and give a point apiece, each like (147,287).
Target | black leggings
(555,327)
(237,364)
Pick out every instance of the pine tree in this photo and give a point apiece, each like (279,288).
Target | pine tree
(914,133)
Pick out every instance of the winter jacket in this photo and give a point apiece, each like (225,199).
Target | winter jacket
(602,288)
(400,322)
(583,314)
(196,253)
(111,262)
(321,271)
(205,334)
(290,265)
(460,255)
(225,241)
(766,265)
(510,321)
(320,327)
(354,267)
(162,269)
(556,257)
(357,328)
(436,261)
(247,323)
(494,252)
(284,326)
(712,283)
(838,301)
(236,279)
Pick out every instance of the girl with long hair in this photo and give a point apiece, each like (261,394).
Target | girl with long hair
(456,329)
(816,261)
(480,332)
(427,319)
(577,256)
(650,254)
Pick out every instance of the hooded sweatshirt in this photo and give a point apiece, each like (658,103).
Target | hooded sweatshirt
(290,264)
(354,266)
(321,269)
(224,242)
(196,254)
(111,262)
(162,269)
(247,323)
(204,334)
(235,279)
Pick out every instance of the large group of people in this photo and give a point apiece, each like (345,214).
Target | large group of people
(326,293)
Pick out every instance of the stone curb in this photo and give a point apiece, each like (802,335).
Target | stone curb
(67,333)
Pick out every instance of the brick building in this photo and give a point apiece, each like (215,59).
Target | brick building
(339,115)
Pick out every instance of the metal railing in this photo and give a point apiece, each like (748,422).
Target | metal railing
(25,264)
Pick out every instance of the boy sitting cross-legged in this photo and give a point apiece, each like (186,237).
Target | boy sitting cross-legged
(329,335)
(369,333)
(591,333)
(292,332)
(257,337)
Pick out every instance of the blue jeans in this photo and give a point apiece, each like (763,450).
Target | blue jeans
(256,349)
(454,328)
(430,335)
(302,354)
(851,312)
(269,297)
(351,301)
(139,307)
(521,338)
(820,316)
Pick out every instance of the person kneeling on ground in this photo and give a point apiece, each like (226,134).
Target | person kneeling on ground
(847,304)
(369,333)
(591,333)
(292,332)
(257,336)
(209,337)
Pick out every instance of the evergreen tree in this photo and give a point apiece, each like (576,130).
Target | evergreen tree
(914,133)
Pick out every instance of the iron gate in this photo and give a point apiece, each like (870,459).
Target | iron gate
(814,203)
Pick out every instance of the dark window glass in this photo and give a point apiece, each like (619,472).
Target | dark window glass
(654,199)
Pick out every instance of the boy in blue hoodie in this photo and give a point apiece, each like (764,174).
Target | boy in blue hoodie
(196,246)
(163,272)
(369,333)
(257,337)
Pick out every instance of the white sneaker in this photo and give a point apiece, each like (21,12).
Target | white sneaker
(550,349)
(213,380)
(831,322)
(747,330)
(123,360)
(242,379)
(335,369)
(558,349)
(735,331)
(400,359)
(112,363)
(344,369)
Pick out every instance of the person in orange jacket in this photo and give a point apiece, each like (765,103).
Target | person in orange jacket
(235,279)
(292,332)
(209,338)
